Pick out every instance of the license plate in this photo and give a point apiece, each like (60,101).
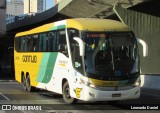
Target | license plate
(116,95)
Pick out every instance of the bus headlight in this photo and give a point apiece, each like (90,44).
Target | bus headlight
(92,85)
(138,82)
(88,84)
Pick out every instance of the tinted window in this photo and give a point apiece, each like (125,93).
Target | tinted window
(43,42)
(35,46)
(61,42)
(53,41)
(28,43)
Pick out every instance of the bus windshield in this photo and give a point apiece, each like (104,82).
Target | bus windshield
(110,56)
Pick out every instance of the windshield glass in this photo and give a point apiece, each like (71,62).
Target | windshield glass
(108,54)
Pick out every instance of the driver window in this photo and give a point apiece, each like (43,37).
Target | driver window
(72,33)
(76,58)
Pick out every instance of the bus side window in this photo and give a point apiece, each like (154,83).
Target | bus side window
(17,44)
(43,42)
(35,43)
(40,42)
(28,43)
(22,44)
(51,46)
(62,43)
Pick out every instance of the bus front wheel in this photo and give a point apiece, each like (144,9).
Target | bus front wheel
(66,94)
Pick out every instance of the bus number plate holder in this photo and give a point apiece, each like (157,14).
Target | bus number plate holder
(116,95)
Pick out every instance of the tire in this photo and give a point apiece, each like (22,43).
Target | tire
(28,85)
(66,94)
(24,83)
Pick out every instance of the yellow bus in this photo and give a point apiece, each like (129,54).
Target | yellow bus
(82,59)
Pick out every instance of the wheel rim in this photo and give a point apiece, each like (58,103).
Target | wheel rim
(24,81)
(28,83)
(67,93)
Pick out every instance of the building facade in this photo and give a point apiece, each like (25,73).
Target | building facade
(14,8)
(34,6)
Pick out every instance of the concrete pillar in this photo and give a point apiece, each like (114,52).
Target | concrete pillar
(2,17)
(56,1)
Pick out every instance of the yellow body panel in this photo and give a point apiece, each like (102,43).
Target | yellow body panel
(31,68)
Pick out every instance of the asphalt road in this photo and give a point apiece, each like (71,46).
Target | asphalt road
(12,96)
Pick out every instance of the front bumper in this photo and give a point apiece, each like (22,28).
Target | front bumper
(93,94)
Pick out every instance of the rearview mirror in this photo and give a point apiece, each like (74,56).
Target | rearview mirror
(145,47)
(81,45)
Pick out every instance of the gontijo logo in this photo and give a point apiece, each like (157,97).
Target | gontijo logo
(29,58)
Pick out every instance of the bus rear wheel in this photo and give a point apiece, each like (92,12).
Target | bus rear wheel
(28,85)
(66,94)
(24,83)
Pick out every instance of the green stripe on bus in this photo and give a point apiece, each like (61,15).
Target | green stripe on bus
(58,27)
(46,67)
(43,66)
(50,67)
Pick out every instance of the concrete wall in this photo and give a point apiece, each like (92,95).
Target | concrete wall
(2,17)
(147,28)
(150,81)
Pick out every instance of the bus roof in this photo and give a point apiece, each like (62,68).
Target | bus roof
(93,24)
(90,24)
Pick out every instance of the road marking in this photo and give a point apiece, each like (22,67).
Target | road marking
(4,96)
(151,94)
